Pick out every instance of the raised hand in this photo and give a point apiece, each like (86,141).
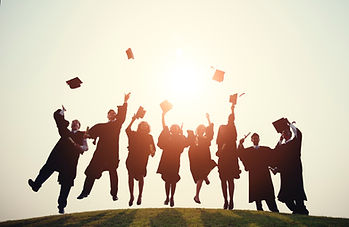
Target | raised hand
(126,97)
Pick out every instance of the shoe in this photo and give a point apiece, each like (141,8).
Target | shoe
(130,203)
(115,197)
(166,201)
(139,200)
(225,206)
(81,196)
(231,205)
(197,200)
(171,202)
(207,181)
(61,210)
(33,185)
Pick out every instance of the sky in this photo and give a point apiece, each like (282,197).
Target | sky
(290,58)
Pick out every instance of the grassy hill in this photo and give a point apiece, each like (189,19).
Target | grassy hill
(178,217)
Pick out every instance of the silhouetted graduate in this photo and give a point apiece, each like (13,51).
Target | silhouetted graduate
(106,156)
(172,142)
(289,165)
(256,160)
(140,146)
(63,158)
(199,153)
(228,165)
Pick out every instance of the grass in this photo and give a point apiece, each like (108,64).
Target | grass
(178,217)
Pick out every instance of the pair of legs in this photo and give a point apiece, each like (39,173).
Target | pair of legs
(198,188)
(297,206)
(140,189)
(89,181)
(170,187)
(45,172)
(270,203)
(226,183)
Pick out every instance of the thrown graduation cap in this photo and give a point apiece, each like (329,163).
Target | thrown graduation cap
(140,112)
(166,106)
(74,83)
(129,54)
(281,124)
(218,75)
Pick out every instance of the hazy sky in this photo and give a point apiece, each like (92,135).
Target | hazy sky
(289,57)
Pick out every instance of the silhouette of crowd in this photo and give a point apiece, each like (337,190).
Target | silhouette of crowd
(259,161)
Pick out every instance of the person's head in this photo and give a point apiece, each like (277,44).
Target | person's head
(111,115)
(231,119)
(255,139)
(175,129)
(200,130)
(143,127)
(75,125)
(286,133)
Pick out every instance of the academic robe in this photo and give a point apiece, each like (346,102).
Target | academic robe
(256,162)
(228,165)
(64,156)
(199,154)
(106,156)
(172,146)
(289,164)
(139,145)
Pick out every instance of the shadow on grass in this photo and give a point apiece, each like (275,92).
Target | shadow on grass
(123,219)
(169,217)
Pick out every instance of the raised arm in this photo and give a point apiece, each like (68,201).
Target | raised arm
(209,129)
(163,120)
(128,129)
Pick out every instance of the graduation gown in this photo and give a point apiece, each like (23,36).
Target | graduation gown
(172,147)
(199,154)
(228,165)
(289,164)
(256,162)
(139,150)
(106,156)
(64,156)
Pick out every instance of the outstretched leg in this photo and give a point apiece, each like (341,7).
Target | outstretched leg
(167,190)
(231,194)
(63,195)
(173,190)
(198,188)
(140,190)
(45,172)
(272,205)
(224,191)
(88,184)
(113,175)
(130,186)
(259,205)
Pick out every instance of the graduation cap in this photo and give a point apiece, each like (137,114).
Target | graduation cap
(166,106)
(218,75)
(281,124)
(140,112)
(129,54)
(74,83)
(233,98)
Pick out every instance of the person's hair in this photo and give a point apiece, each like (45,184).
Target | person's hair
(141,124)
(200,126)
(111,110)
(175,126)
(254,134)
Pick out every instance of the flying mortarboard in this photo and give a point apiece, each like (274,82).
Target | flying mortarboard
(166,106)
(281,124)
(218,75)
(74,83)
(140,112)
(129,54)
